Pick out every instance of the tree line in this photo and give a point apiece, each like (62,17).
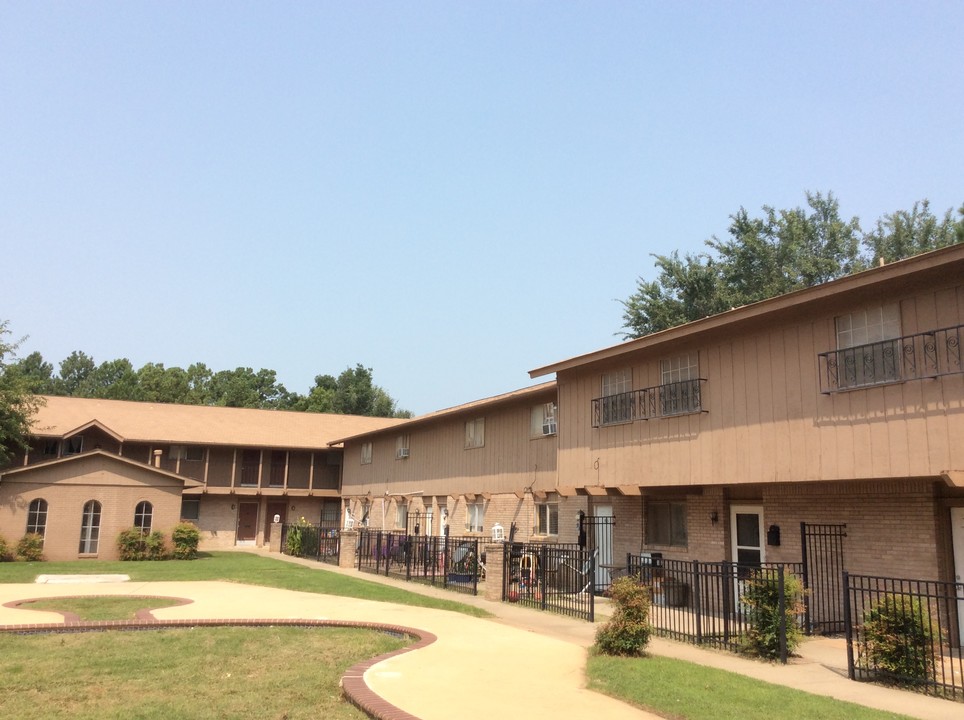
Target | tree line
(778,252)
(353,392)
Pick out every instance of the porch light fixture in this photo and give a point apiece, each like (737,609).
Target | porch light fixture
(714,517)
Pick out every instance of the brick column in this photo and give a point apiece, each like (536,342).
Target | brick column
(494,566)
(346,548)
(274,544)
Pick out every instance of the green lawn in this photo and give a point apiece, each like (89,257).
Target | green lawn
(100,607)
(677,689)
(201,674)
(242,568)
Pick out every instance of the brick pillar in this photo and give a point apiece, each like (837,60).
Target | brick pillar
(274,544)
(346,548)
(494,566)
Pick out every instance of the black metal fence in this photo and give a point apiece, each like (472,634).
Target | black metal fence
(906,633)
(707,603)
(450,562)
(306,541)
(823,565)
(559,578)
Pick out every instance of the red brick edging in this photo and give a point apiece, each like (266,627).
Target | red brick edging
(353,684)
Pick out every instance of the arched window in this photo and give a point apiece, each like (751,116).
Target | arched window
(90,528)
(37,517)
(143,515)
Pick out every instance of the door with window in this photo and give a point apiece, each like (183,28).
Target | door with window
(957,533)
(746,539)
(247,522)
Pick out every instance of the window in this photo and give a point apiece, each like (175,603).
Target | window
(475,433)
(679,390)
(475,516)
(143,517)
(366,454)
(279,465)
(190,508)
(868,351)
(547,515)
(542,420)
(330,511)
(37,517)
(74,445)
(250,467)
(51,448)
(189,453)
(401,447)
(666,523)
(401,514)
(617,406)
(90,528)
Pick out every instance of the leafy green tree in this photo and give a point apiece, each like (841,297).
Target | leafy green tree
(353,392)
(910,232)
(113,380)
(243,387)
(163,385)
(17,403)
(75,369)
(38,375)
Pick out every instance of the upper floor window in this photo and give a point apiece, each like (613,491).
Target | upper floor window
(190,453)
(366,453)
(74,445)
(402,449)
(547,518)
(51,448)
(144,517)
(37,517)
(679,390)
(616,400)
(475,433)
(90,528)
(542,420)
(868,350)
(475,516)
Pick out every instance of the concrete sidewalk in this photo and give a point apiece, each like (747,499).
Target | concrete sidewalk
(519,662)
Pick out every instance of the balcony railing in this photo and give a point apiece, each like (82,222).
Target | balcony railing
(912,357)
(678,398)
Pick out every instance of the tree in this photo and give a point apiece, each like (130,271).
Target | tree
(17,403)
(74,371)
(38,375)
(163,385)
(352,393)
(243,387)
(777,253)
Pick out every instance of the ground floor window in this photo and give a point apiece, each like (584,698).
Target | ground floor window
(190,508)
(547,516)
(401,515)
(143,517)
(90,528)
(37,517)
(666,523)
(475,516)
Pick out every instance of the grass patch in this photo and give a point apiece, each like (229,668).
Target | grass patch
(243,568)
(101,607)
(185,673)
(686,691)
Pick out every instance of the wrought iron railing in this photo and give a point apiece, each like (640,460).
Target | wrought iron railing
(906,633)
(677,398)
(912,357)
(306,541)
(556,578)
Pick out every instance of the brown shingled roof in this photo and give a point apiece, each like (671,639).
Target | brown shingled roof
(200,424)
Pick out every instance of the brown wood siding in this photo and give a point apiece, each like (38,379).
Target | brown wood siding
(766,419)
(439,463)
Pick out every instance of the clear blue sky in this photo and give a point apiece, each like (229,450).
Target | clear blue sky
(451,193)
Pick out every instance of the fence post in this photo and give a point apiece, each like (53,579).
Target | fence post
(782,607)
(495,571)
(347,541)
(408,556)
(541,575)
(848,627)
(697,602)
(726,591)
(592,590)
(806,578)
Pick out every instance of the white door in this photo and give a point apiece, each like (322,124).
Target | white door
(429,518)
(957,533)
(603,544)
(746,534)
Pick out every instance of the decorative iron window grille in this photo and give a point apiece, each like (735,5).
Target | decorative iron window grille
(912,357)
(676,398)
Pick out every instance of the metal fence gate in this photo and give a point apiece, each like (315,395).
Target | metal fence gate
(823,567)
(598,533)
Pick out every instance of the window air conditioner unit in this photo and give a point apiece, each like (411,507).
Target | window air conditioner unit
(401,453)
(549,427)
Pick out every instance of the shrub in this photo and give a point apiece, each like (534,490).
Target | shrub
(5,554)
(761,596)
(898,637)
(627,631)
(133,544)
(30,548)
(185,537)
(296,538)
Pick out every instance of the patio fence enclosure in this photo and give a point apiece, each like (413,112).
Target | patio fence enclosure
(316,543)
(906,633)
(450,562)
(558,578)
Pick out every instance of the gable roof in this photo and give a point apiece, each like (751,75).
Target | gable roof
(102,457)
(935,267)
(198,424)
(475,406)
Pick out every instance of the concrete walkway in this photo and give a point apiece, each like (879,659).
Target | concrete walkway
(520,662)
